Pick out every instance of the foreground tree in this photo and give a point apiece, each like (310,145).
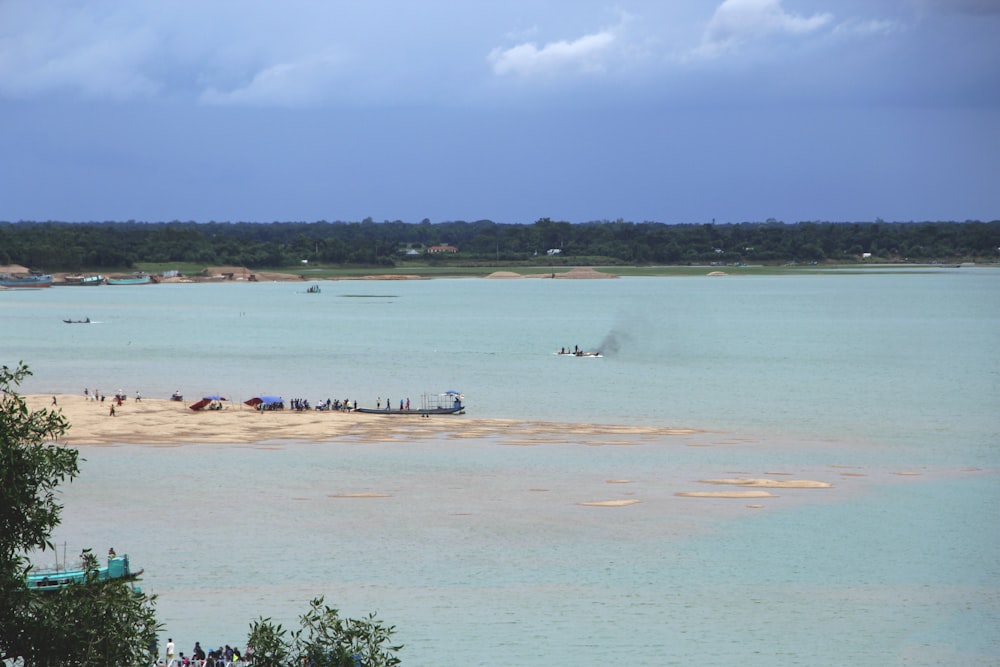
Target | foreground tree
(324,640)
(90,624)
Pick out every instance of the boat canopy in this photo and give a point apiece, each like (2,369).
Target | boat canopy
(207,400)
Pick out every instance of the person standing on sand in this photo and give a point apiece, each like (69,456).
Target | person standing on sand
(54,401)
(170,652)
(112,413)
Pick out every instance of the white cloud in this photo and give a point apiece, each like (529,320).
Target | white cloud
(585,54)
(736,22)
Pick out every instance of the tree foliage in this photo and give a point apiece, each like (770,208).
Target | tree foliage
(89,624)
(323,640)
(60,246)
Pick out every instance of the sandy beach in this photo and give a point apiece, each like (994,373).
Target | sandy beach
(166,422)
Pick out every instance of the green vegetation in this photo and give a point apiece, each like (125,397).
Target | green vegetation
(321,249)
(108,622)
(93,624)
(324,640)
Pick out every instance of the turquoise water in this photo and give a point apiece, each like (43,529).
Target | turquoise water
(886,385)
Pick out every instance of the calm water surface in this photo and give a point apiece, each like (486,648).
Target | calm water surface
(886,385)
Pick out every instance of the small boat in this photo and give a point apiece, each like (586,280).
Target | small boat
(83,281)
(134,279)
(85,321)
(53,579)
(25,280)
(577,353)
(448,403)
(313,289)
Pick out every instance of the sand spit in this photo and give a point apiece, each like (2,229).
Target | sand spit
(166,422)
(576,273)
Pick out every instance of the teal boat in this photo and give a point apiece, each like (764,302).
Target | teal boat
(53,579)
(134,279)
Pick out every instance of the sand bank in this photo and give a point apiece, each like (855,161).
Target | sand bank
(165,422)
(771,483)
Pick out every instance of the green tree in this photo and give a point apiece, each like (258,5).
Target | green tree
(323,640)
(90,624)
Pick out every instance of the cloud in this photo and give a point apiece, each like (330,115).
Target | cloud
(869,27)
(300,83)
(585,54)
(737,22)
(83,51)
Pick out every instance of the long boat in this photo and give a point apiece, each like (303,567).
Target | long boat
(54,579)
(83,281)
(25,280)
(448,403)
(137,279)
(413,412)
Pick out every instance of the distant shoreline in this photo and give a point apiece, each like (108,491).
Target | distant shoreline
(237,274)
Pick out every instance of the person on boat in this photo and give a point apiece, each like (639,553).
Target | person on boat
(111,553)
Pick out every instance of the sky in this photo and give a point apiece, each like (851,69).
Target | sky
(679,111)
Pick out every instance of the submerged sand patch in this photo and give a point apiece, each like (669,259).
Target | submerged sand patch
(725,494)
(608,503)
(771,483)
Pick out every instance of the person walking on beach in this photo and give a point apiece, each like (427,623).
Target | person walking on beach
(54,402)
(112,413)
(170,652)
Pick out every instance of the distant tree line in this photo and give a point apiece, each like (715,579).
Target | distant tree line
(61,246)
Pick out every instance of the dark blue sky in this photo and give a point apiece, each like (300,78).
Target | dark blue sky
(682,111)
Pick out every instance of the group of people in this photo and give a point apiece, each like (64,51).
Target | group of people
(116,400)
(227,656)
(329,404)
(403,404)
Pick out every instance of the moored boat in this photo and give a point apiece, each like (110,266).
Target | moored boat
(134,279)
(83,281)
(25,280)
(447,403)
(83,321)
(53,579)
